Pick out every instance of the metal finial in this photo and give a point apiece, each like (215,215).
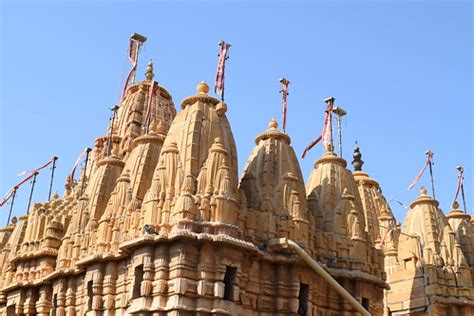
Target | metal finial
(149,75)
(357,162)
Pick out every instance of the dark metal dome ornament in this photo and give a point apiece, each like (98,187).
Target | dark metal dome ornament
(357,162)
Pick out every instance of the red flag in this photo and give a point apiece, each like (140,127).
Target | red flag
(313,143)
(429,158)
(70,177)
(392,223)
(284,90)
(326,133)
(220,75)
(150,99)
(9,194)
(132,56)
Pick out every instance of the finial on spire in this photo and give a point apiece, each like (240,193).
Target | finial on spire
(455,205)
(160,128)
(115,149)
(149,75)
(202,87)
(357,162)
(273,124)
(152,125)
(423,190)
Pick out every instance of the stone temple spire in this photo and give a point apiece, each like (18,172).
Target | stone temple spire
(357,162)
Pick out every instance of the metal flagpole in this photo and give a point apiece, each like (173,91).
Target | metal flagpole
(429,153)
(52,177)
(330,106)
(111,131)
(461,175)
(340,112)
(31,192)
(11,205)
(88,150)
(223,77)
(284,94)
(139,40)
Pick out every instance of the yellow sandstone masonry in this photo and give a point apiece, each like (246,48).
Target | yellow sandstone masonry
(160,223)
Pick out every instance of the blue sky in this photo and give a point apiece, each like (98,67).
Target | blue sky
(401,69)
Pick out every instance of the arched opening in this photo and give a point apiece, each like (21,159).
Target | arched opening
(303,298)
(137,281)
(90,295)
(229,281)
(365,303)
(11,310)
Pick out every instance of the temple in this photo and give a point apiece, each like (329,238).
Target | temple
(161,223)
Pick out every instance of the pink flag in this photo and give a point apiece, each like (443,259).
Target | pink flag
(429,158)
(392,223)
(132,56)
(460,183)
(9,194)
(326,133)
(150,102)
(311,145)
(70,178)
(220,75)
(24,172)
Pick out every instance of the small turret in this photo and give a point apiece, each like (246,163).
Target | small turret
(274,188)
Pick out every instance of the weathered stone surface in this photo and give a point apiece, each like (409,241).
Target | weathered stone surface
(159,224)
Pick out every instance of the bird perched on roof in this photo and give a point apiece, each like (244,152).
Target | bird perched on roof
(150,230)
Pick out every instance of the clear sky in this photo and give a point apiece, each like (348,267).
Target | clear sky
(401,69)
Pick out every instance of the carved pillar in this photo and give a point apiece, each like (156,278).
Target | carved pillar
(71,297)
(148,272)
(43,305)
(60,303)
(109,286)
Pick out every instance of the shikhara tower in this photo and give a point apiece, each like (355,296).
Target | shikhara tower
(161,223)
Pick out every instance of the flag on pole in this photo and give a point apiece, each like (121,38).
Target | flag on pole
(12,190)
(35,170)
(7,196)
(70,177)
(429,158)
(133,49)
(220,74)
(21,173)
(326,133)
(460,183)
(392,223)
(284,90)
(150,102)
(311,145)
